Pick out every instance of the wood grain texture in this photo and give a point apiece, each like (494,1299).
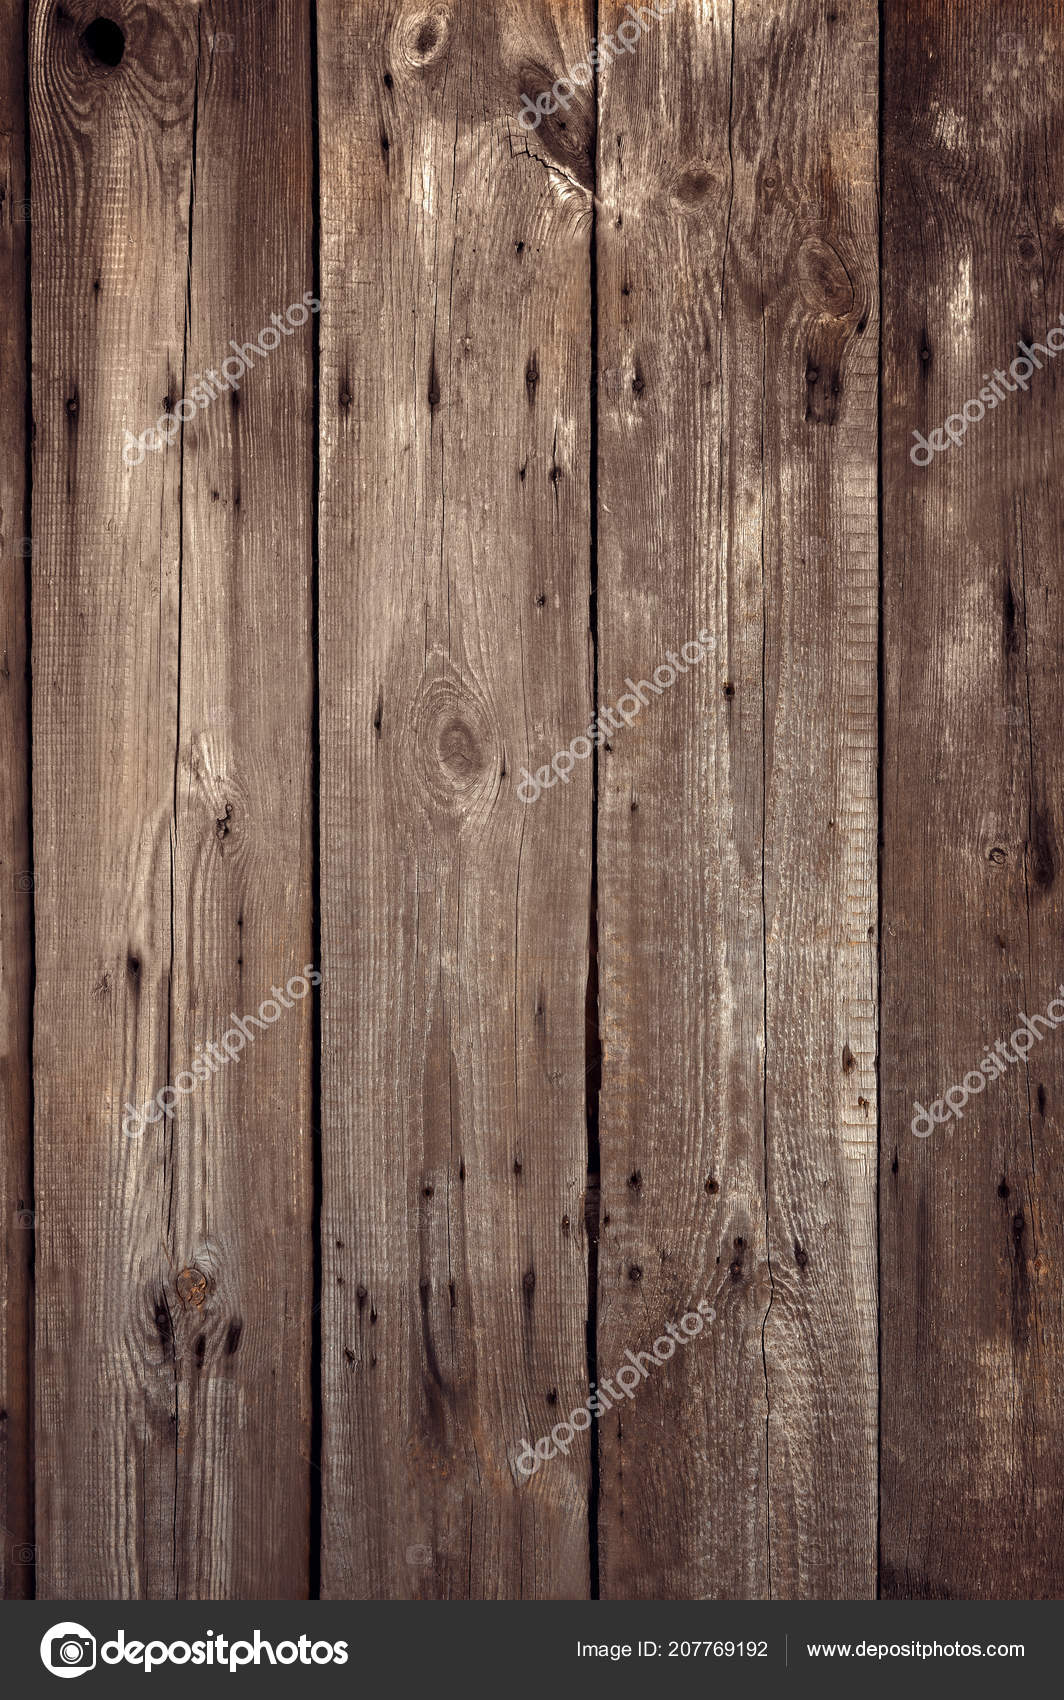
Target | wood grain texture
(455,385)
(172,691)
(244,876)
(16,866)
(973,234)
(579,396)
(737,298)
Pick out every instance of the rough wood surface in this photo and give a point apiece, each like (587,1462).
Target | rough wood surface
(454,589)
(973,1215)
(737,243)
(16,866)
(581,393)
(172,692)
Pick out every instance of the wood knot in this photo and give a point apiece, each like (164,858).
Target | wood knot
(192,1287)
(693,186)
(824,282)
(104,42)
(459,749)
(456,754)
(426,37)
(564,126)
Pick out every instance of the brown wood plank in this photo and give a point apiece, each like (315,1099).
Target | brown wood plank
(172,696)
(455,385)
(737,300)
(972,1216)
(243,1170)
(16,870)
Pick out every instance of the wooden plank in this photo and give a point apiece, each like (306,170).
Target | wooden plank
(972,1217)
(737,301)
(16,866)
(454,603)
(244,827)
(172,695)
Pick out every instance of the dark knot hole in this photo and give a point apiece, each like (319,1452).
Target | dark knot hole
(104,42)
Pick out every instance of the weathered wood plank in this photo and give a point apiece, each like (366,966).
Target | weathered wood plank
(737,299)
(454,604)
(111,153)
(243,859)
(172,693)
(16,871)
(972,1217)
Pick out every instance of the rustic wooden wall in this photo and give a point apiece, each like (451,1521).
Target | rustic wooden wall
(576,396)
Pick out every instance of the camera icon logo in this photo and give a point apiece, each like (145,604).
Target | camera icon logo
(68,1650)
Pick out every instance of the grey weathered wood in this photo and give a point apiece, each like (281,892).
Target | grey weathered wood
(737,297)
(972,1216)
(455,388)
(16,870)
(172,759)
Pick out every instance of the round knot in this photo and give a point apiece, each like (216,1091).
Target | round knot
(456,753)
(825,283)
(426,36)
